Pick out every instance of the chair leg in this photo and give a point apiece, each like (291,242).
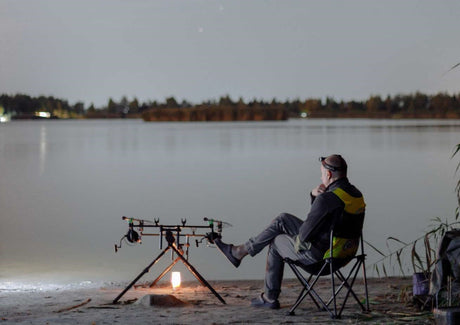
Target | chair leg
(349,286)
(365,285)
(362,257)
(307,290)
(333,315)
(345,282)
(336,291)
(302,294)
(350,291)
(357,265)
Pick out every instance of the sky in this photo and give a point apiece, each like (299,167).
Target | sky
(93,50)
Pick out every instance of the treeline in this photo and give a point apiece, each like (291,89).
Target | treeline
(418,105)
(25,106)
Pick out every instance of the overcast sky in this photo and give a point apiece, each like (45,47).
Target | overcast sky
(90,50)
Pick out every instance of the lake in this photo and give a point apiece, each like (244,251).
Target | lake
(65,184)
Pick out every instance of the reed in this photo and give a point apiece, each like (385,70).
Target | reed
(422,250)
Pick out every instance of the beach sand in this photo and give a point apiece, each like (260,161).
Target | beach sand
(389,299)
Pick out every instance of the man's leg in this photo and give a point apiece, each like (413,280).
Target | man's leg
(282,247)
(285,223)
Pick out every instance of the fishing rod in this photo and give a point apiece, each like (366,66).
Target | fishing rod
(179,230)
(173,234)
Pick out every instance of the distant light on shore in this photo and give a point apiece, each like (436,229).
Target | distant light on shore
(43,114)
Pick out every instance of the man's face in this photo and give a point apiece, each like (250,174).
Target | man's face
(325,176)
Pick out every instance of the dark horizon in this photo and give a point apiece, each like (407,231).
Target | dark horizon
(416,105)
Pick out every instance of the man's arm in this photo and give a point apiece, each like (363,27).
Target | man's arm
(315,218)
(316,191)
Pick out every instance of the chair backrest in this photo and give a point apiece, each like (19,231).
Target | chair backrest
(343,251)
(342,247)
(346,232)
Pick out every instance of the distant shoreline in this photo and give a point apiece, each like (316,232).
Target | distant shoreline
(414,105)
(312,117)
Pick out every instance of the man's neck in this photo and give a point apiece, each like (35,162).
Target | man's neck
(334,180)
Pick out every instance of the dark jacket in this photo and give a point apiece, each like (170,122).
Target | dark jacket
(327,211)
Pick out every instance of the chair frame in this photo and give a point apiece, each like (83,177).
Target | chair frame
(331,266)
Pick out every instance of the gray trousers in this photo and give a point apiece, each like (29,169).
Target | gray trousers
(280,235)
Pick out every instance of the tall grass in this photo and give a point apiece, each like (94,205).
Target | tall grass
(398,250)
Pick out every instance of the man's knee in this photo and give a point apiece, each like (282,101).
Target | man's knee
(281,240)
(282,217)
(283,245)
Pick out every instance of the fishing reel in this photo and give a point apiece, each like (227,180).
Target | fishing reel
(213,235)
(132,236)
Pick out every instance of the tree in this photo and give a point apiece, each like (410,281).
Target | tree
(171,102)
(374,104)
(91,108)
(421,101)
(134,106)
(79,108)
(331,105)
(312,105)
(441,104)
(23,104)
(185,104)
(226,101)
(241,103)
(111,106)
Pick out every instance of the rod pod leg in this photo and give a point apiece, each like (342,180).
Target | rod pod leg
(140,275)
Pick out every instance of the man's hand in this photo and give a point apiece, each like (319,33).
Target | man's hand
(318,190)
(299,245)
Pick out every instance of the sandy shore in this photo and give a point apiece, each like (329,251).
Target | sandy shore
(388,298)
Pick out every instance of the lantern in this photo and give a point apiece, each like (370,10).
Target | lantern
(175,280)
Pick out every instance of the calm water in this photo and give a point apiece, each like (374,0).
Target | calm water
(64,186)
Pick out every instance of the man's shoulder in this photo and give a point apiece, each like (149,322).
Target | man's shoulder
(351,189)
(327,198)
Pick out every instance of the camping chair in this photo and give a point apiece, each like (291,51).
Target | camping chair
(332,266)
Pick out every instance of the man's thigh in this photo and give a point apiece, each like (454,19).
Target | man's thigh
(284,245)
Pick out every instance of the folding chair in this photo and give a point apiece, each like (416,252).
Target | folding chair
(331,266)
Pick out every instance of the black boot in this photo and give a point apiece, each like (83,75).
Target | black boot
(226,249)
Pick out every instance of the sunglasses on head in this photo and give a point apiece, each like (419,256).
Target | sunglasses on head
(328,166)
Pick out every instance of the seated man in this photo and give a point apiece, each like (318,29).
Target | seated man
(335,203)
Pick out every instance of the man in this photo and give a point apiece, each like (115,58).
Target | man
(335,203)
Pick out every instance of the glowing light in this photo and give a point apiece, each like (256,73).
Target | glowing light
(3,119)
(43,114)
(303,115)
(175,280)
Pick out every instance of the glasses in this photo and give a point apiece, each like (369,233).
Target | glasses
(328,166)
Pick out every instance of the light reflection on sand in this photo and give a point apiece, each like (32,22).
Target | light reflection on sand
(43,286)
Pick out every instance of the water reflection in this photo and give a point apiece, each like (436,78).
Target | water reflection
(93,172)
(42,146)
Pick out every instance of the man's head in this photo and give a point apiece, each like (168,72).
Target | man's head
(333,167)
